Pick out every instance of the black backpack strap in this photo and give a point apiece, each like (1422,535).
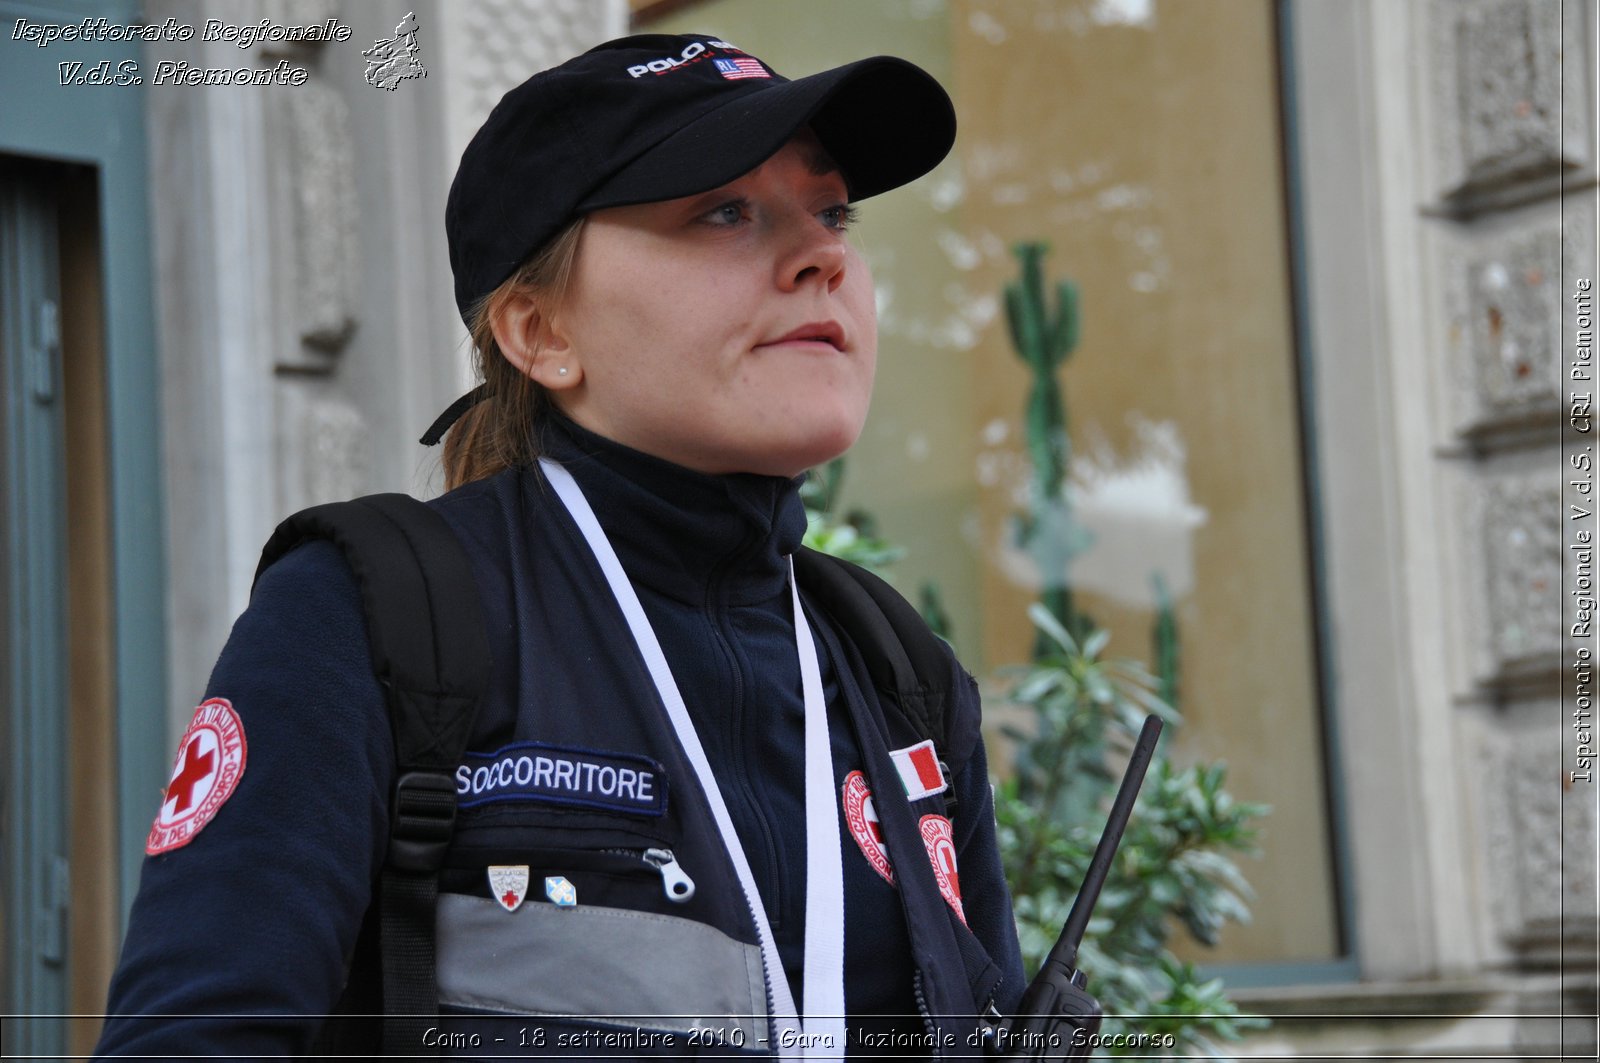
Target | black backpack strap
(430,654)
(905,659)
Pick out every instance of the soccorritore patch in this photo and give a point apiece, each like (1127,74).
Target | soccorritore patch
(563,775)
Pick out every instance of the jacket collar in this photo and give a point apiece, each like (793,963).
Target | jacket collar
(697,538)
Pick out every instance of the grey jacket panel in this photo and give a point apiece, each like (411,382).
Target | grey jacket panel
(678,974)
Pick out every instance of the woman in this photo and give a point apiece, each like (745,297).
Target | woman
(741,843)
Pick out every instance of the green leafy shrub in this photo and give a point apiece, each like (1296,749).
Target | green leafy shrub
(1173,869)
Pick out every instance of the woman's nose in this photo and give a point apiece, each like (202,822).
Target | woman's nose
(815,255)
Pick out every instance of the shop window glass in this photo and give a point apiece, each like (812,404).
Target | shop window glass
(1141,139)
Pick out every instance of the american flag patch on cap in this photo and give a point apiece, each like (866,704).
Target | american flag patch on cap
(739,69)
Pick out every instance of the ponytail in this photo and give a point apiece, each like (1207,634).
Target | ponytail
(500,432)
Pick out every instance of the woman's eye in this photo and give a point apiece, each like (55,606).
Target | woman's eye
(839,217)
(729,213)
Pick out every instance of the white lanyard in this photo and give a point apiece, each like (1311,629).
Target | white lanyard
(821,1036)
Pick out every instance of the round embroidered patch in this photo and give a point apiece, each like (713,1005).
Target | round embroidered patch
(939,836)
(862,819)
(209,764)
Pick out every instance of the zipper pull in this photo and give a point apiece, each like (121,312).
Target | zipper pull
(675,881)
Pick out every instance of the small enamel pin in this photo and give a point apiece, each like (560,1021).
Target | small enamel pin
(562,893)
(509,885)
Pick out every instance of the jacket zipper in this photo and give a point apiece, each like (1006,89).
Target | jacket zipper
(766,978)
(675,881)
(922,1009)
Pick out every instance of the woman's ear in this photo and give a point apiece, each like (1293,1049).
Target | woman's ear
(528,341)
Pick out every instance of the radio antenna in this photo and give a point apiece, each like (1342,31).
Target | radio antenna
(1065,951)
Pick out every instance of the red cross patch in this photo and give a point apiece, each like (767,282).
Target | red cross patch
(862,819)
(939,836)
(205,773)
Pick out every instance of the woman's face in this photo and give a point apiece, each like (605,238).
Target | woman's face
(733,331)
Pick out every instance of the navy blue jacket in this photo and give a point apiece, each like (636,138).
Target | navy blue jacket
(254,920)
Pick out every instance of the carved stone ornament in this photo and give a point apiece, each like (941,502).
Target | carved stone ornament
(1522,547)
(320,168)
(1503,303)
(311,223)
(1508,92)
(1539,837)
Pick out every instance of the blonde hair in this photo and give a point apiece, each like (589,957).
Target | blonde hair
(501,431)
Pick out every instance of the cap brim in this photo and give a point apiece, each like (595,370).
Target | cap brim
(883,120)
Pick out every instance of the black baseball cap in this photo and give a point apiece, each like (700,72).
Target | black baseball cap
(658,116)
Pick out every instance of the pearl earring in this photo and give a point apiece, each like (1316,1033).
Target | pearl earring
(562,371)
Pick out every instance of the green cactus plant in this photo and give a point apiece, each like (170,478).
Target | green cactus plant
(1044,337)
(1173,869)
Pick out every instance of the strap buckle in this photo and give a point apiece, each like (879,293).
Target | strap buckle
(424,820)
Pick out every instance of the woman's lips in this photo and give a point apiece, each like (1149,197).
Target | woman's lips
(827,333)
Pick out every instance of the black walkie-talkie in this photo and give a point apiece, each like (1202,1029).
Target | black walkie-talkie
(1057,1013)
